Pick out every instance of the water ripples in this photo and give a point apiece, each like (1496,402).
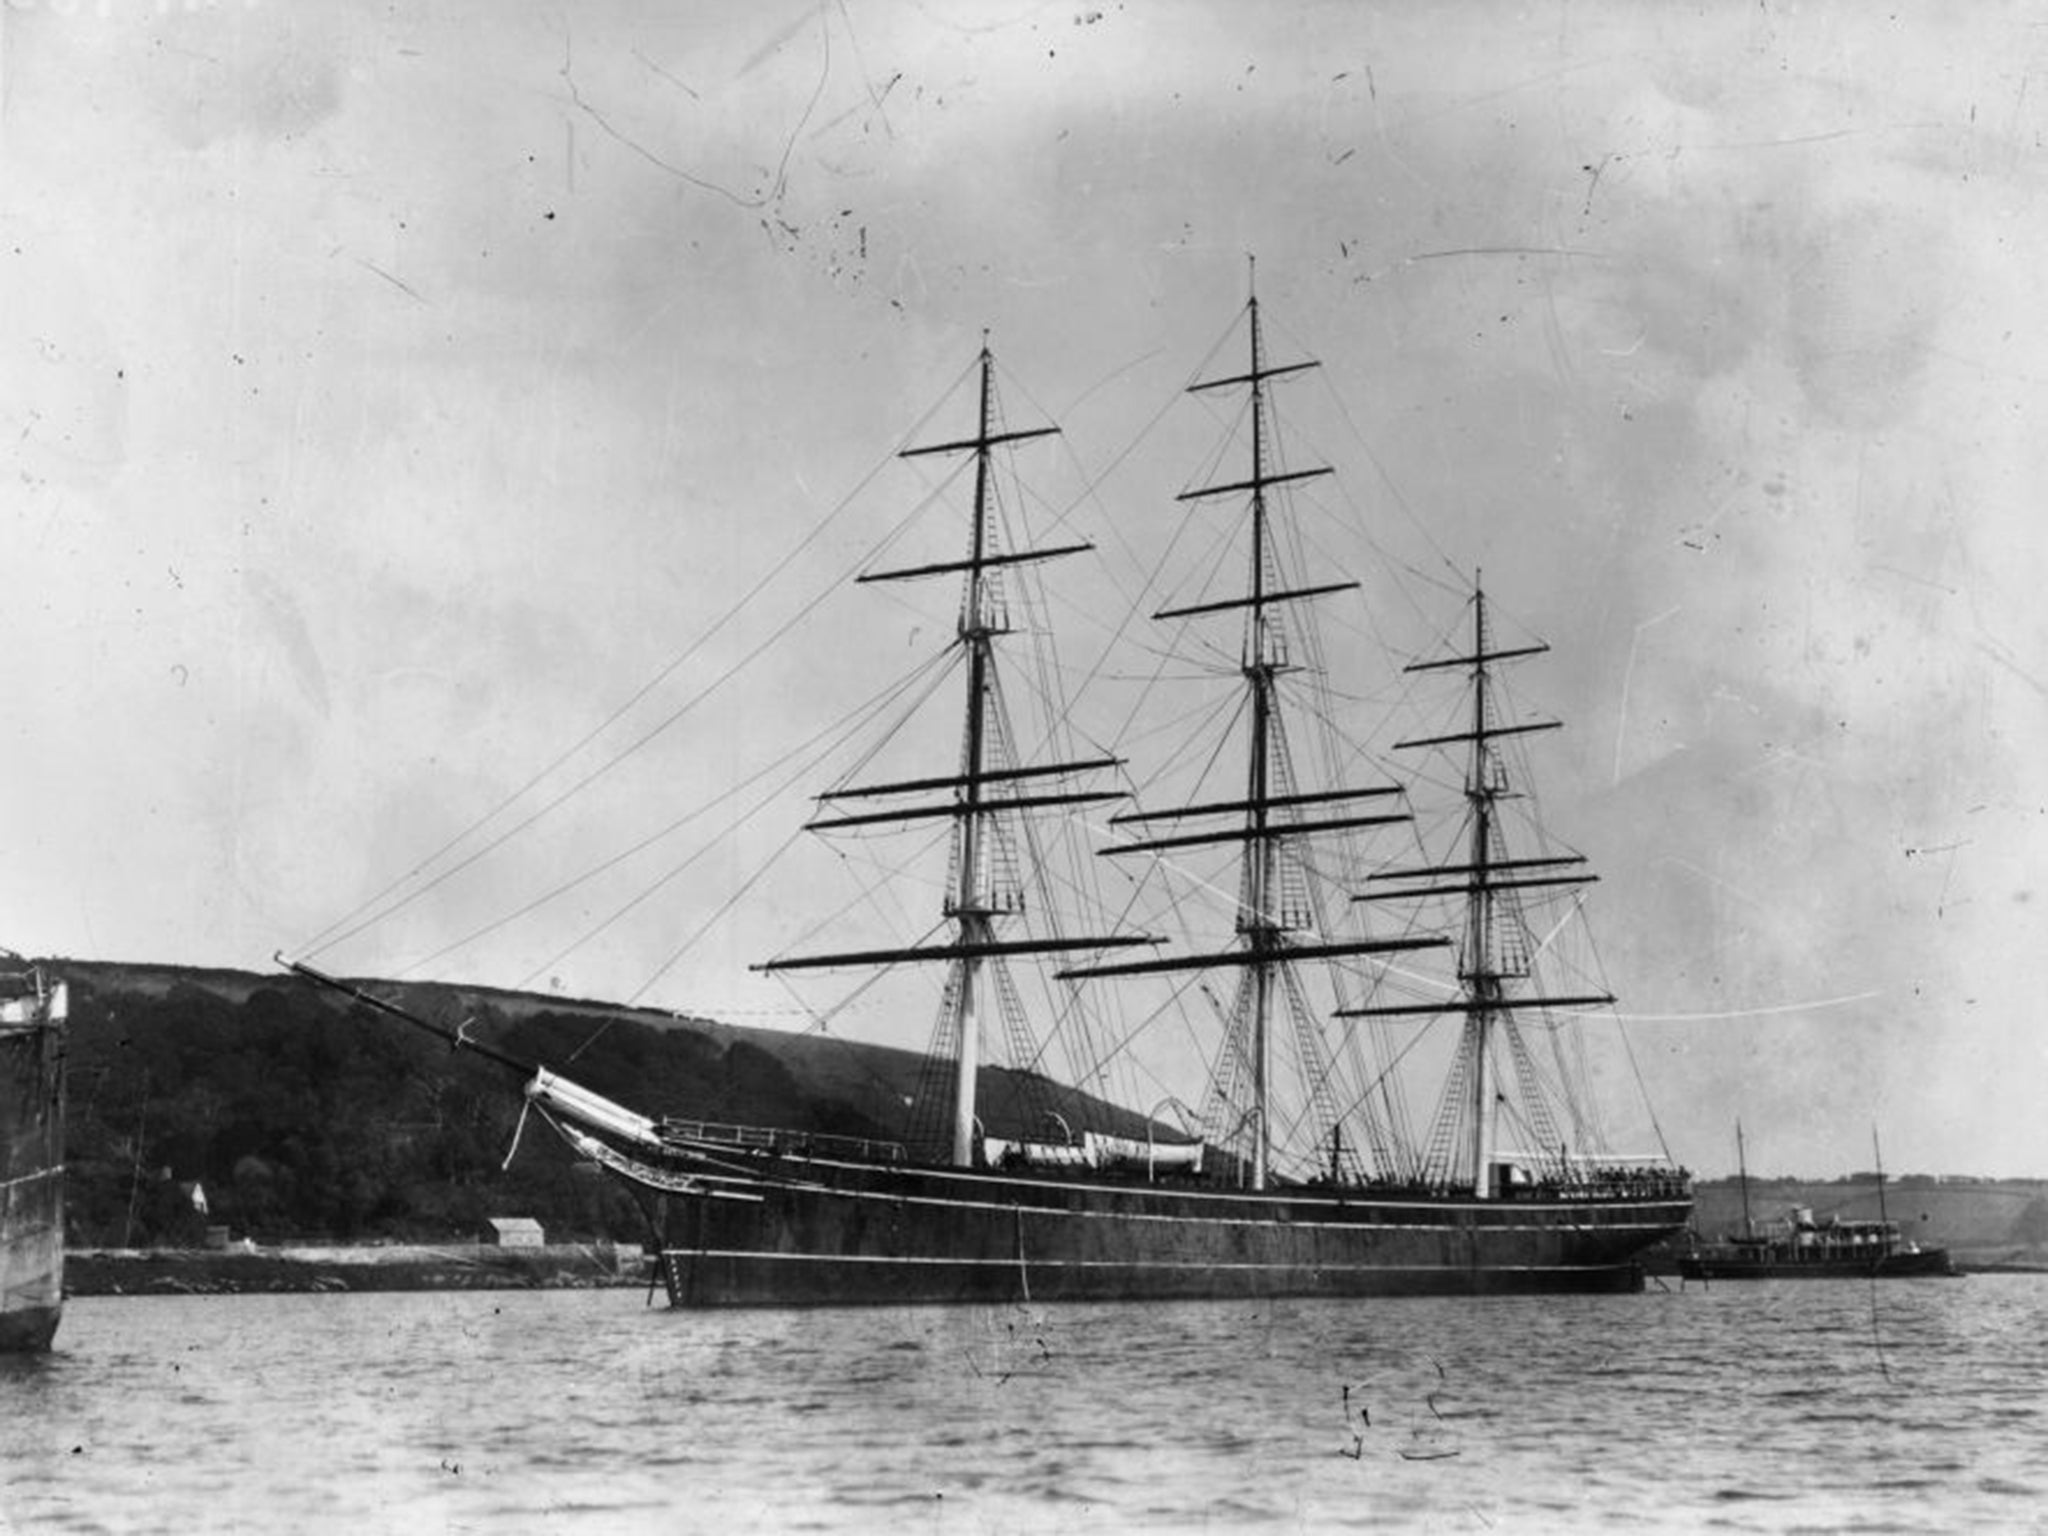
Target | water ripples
(1766,1408)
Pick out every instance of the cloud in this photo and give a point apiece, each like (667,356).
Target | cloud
(422,382)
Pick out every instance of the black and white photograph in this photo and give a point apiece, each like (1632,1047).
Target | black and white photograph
(1013,767)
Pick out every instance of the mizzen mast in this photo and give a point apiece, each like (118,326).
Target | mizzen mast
(989,786)
(1494,949)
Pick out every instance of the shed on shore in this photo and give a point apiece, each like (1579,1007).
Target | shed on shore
(513,1232)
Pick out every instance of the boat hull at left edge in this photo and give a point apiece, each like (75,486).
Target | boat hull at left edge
(31,1167)
(814,1231)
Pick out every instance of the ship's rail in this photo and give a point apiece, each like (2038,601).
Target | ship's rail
(777,1140)
(1641,1180)
(1575,1178)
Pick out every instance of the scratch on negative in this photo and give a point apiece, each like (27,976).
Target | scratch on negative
(405,288)
(1770,1010)
(1596,172)
(1998,653)
(1627,675)
(644,152)
(1710,877)
(671,79)
(736,199)
(1508,250)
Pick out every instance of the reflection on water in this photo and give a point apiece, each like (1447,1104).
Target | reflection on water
(1762,1407)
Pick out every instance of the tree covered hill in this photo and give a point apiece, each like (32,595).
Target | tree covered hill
(302,1115)
(299,1113)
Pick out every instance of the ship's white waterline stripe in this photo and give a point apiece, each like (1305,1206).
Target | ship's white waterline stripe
(1010,1262)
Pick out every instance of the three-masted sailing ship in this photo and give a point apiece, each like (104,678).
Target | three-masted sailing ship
(1319,1190)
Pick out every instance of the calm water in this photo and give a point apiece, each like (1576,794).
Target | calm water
(1909,1407)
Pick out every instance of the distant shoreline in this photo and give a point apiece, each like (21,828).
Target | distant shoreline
(465,1267)
(1664,1266)
(374,1267)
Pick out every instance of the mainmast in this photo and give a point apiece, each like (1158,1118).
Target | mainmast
(1489,881)
(1255,916)
(986,787)
(1270,814)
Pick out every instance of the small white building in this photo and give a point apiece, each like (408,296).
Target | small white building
(513,1232)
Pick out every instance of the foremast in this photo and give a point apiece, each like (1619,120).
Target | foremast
(988,787)
(1277,925)
(1494,950)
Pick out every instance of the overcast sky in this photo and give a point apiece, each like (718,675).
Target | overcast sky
(390,391)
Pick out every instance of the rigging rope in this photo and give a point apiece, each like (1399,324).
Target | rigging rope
(355,922)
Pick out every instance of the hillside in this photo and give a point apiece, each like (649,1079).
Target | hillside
(301,1114)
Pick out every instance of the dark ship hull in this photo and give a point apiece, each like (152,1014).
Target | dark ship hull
(1779,1263)
(827,1232)
(31,1170)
